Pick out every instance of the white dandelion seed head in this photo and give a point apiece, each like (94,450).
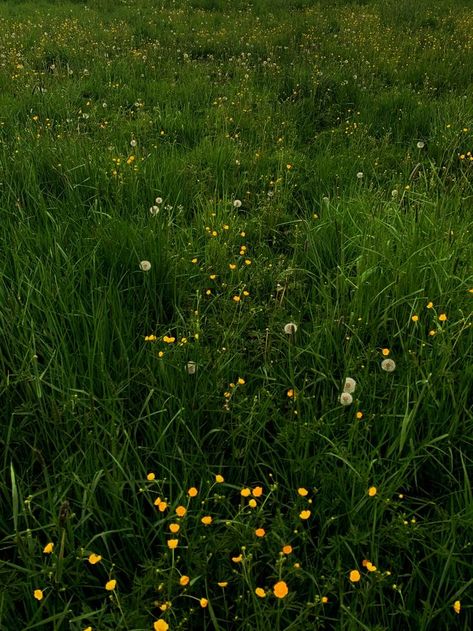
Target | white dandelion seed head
(389,365)
(290,328)
(237,203)
(350,385)
(191,367)
(394,193)
(359,175)
(346,398)
(158,200)
(145,266)
(154,210)
(133,143)
(420,144)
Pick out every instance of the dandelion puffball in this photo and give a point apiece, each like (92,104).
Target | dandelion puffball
(154,210)
(290,328)
(388,365)
(145,266)
(346,398)
(158,200)
(237,203)
(359,175)
(350,385)
(420,144)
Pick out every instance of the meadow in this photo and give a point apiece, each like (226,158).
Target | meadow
(236,306)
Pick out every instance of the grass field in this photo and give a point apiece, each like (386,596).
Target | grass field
(216,217)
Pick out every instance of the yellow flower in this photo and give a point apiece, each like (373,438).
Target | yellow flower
(48,548)
(415,318)
(257,491)
(290,393)
(430,305)
(237,559)
(181,511)
(38,594)
(385,351)
(252,503)
(222,583)
(207,520)
(161,625)
(259,591)
(247,261)
(94,558)
(172,543)
(370,567)
(305,514)
(359,415)
(260,532)
(110,585)
(88,629)
(194,261)
(241,381)
(324,600)
(151,476)
(236,298)
(372,491)
(432,332)
(184,580)
(457,606)
(355,576)
(443,317)
(232,266)
(287,549)
(219,478)
(174,528)
(245,492)
(203,602)
(192,492)
(302,491)
(280,589)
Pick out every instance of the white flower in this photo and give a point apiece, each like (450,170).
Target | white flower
(290,328)
(350,385)
(420,144)
(154,210)
(158,200)
(388,365)
(145,266)
(346,398)
(133,143)
(237,203)
(359,175)
(191,367)
(394,193)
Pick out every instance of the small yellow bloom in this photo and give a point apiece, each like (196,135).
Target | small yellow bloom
(305,514)
(260,532)
(432,332)
(385,351)
(252,503)
(174,528)
(213,276)
(38,594)
(415,318)
(184,580)
(324,600)
(443,317)
(257,491)
(287,549)
(161,625)
(247,261)
(237,559)
(194,261)
(181,511)
(207,520)
(172,543)
(302,491)
(359,415)
(245,492)
(110,585)
(219,478)
(192,492)
(355,576)
(48,548)
(457,606)
(280,589)
(203,602)
(88,629)
(290,393)
(232,266)
(151,476)
(236,298)
(94,558)
(259,591)
(370,567)
(222,583)
(241,381)
(372,491)
(430,305)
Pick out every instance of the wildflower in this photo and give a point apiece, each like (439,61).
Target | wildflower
(154,210)
(151,476)
(184,580)
(370,567)
(359,415)
(355,576)
(287,549)
(305,514)
(88,629)
(302,491)
(430,305)
(346,398)
(252,503)
(94,558)
(192,492)
(236,298)
(203,602)
(219,478)
(241,381)
(158,200)
(174,528)
(432,332)
(257,491)
(222,583)
(350,385)
(457,606)
(145,266)
(150,338)
(259,591)
(38,594)
(232,266)
(160,625)
(388,365)
(385,352)
(359,175)
(288,167)
(260,532)
(133,143)
(169,339)
(194,261)
(247,261)
(191,367)
(290,328)
(207,520)
(290,393)
(245,492)
(420,145)
(172,543)
(372,491)
(48,548)
(237,559)
(237,203)
(280,589)
(443,317)
(110,585)
(324,600)
(415,318)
